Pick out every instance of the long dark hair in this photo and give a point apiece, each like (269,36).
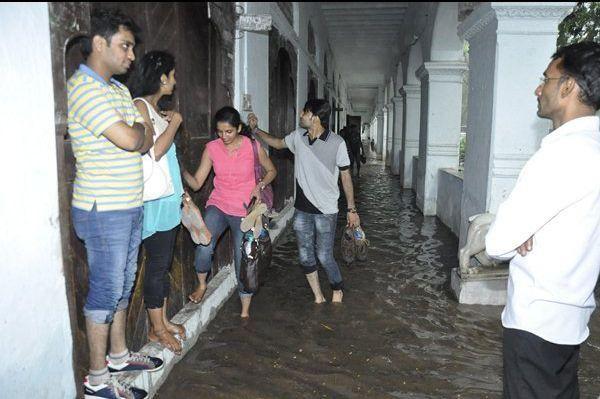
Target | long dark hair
(145,79)
(232,116)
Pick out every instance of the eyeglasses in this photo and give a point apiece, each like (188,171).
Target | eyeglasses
(544,80)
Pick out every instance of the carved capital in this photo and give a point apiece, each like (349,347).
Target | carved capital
(410,91)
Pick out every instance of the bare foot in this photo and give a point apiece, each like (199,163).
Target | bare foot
(176,329)
(320,299)
(245,315)
(166,339)
(198,294)
(337,296)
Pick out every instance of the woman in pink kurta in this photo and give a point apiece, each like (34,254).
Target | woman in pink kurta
(232,158)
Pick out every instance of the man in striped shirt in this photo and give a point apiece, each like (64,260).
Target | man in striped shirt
(108,136)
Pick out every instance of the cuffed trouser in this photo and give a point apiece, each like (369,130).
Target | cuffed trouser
(537,369)
(112,240)
(320,229)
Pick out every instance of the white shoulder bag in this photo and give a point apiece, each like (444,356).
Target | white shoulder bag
(157,177)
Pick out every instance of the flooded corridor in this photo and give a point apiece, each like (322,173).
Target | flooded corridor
(399,333)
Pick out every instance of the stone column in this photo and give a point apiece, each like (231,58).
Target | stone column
(397,136)
(390,133)
(439,133)
(379,141)
(510,45)
(411,99)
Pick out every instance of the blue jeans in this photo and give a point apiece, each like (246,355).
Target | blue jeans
(217,222)
(309,227)
(112,241)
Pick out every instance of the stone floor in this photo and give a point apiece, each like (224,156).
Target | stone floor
(398,334)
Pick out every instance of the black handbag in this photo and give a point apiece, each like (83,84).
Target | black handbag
(256,257)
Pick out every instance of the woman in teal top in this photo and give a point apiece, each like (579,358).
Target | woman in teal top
(153,78)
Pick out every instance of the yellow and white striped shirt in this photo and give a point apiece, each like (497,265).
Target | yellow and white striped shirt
(106,174)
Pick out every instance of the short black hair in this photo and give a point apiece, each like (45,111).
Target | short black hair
(105,22)
(581,61)
(320,108)
(145,79)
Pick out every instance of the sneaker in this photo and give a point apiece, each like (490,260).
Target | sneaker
(136,362)
(113,389)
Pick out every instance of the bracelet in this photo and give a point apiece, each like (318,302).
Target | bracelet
(352,210)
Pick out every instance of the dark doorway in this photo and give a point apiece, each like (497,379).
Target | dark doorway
(199,48)
(282,113)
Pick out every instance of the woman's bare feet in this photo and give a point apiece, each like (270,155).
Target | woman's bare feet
(198,294)
(337,296)
(176,329)
(320,299)
(166,339)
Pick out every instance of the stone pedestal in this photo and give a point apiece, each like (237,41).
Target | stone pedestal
(379,141)
(487,287)
(510,45)
(411,100)
(397,135)
(439,133)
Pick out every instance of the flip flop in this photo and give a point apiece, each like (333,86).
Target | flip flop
(192,220)
(250,220)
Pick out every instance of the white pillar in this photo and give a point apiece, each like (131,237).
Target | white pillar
(380,129)
(411,98)
(37,341)
(441,105)
(386,117)
(510,45)
(397,136)
(390,133)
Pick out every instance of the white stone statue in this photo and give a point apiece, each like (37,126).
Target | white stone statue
(478,227)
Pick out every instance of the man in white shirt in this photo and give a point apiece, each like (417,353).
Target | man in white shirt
(550,227)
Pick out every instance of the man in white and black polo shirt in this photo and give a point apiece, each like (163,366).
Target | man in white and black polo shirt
(320,158)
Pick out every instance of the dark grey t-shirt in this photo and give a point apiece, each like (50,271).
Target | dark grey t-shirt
(317,167)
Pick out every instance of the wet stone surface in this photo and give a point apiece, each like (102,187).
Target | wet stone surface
(399,333)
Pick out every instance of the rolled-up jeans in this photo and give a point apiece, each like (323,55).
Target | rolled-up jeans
(112,241)
(217,222)
(317,229)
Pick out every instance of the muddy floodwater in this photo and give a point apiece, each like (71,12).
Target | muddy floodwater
(400,333)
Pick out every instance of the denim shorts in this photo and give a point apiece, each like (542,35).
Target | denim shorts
(112,240)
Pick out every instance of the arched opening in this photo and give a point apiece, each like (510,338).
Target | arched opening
(282,116)
(312,86)
(312,46)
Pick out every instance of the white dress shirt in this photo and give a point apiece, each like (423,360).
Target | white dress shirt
(557,201)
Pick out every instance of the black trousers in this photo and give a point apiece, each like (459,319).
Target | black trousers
(536,368)
(159,251)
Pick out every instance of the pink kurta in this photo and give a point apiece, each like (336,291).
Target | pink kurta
(234,176)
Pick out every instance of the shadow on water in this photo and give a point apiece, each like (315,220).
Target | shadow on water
(399,333)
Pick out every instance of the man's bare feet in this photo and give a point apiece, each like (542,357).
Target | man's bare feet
(320,299)
(166,339)
(198,294)
(245,299)
(337,296)
(176,329)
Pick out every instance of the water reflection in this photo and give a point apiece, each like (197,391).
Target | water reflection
(399,333)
